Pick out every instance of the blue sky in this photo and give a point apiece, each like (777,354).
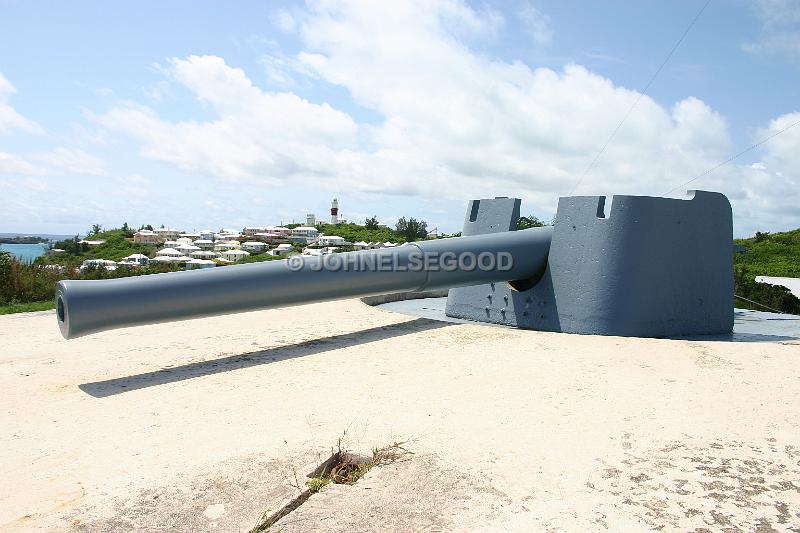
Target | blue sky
(211,114)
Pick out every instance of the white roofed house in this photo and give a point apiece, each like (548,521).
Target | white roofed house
(145,236)
(167,234)
(281,249)
(91,243)
(314,252)
(135,260)
(227,234)
(278,230)
(168,252)
(227,245)
(267,237)
(234,255)
(203,254)
(187,248)
(252,230)
(360,245)
(331,240)
(220,237)
(106,264)
(254,246)
(206,235)
(304,234)
(204,244)
(164,259)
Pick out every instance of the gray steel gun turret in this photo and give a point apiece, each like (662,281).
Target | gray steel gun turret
(648,267)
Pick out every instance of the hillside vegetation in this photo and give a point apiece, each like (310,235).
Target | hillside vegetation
(768,254)
(356,233)
(771,254)
(116,247)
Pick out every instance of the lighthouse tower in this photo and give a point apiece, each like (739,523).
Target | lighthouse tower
(334,212)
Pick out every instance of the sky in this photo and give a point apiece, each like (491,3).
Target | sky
(210,114)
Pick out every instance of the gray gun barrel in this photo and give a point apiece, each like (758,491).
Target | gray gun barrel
(84,307)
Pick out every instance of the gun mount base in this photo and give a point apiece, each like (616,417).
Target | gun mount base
(652,267)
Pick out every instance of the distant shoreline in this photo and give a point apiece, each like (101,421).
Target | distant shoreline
(11,238)
(23,240)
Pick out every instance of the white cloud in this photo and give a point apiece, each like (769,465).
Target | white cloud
(257,134)
(773,186)
(11,164)
(9,118)
(537,24)
(72,160)
(781,28)
(456,124)
(779,12)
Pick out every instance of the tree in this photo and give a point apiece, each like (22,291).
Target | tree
(372,223)
(76,245)
(96,228)
(411,229)
(530,221)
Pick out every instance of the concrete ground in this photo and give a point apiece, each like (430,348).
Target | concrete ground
(210,424)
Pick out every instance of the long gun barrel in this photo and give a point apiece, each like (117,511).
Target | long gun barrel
(84,307)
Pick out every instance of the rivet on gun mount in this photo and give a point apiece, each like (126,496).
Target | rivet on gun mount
(653,267)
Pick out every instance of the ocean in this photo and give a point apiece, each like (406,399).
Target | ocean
(26,253)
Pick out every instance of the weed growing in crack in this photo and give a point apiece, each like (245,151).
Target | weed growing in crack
(343,468)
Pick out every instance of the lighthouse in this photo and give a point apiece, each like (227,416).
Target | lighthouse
(334,212)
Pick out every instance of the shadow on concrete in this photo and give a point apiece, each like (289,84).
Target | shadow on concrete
(738,337)
(111,387)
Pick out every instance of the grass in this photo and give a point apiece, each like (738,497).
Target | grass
(343,468)
(10,309)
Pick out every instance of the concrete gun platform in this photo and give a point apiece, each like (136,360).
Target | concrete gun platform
(209,424)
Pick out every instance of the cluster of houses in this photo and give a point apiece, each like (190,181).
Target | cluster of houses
(206,249)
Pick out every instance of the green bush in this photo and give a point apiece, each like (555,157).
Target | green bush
(22,283)
(772,296)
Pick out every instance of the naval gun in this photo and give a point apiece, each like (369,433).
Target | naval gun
(651,267)
(90,306)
